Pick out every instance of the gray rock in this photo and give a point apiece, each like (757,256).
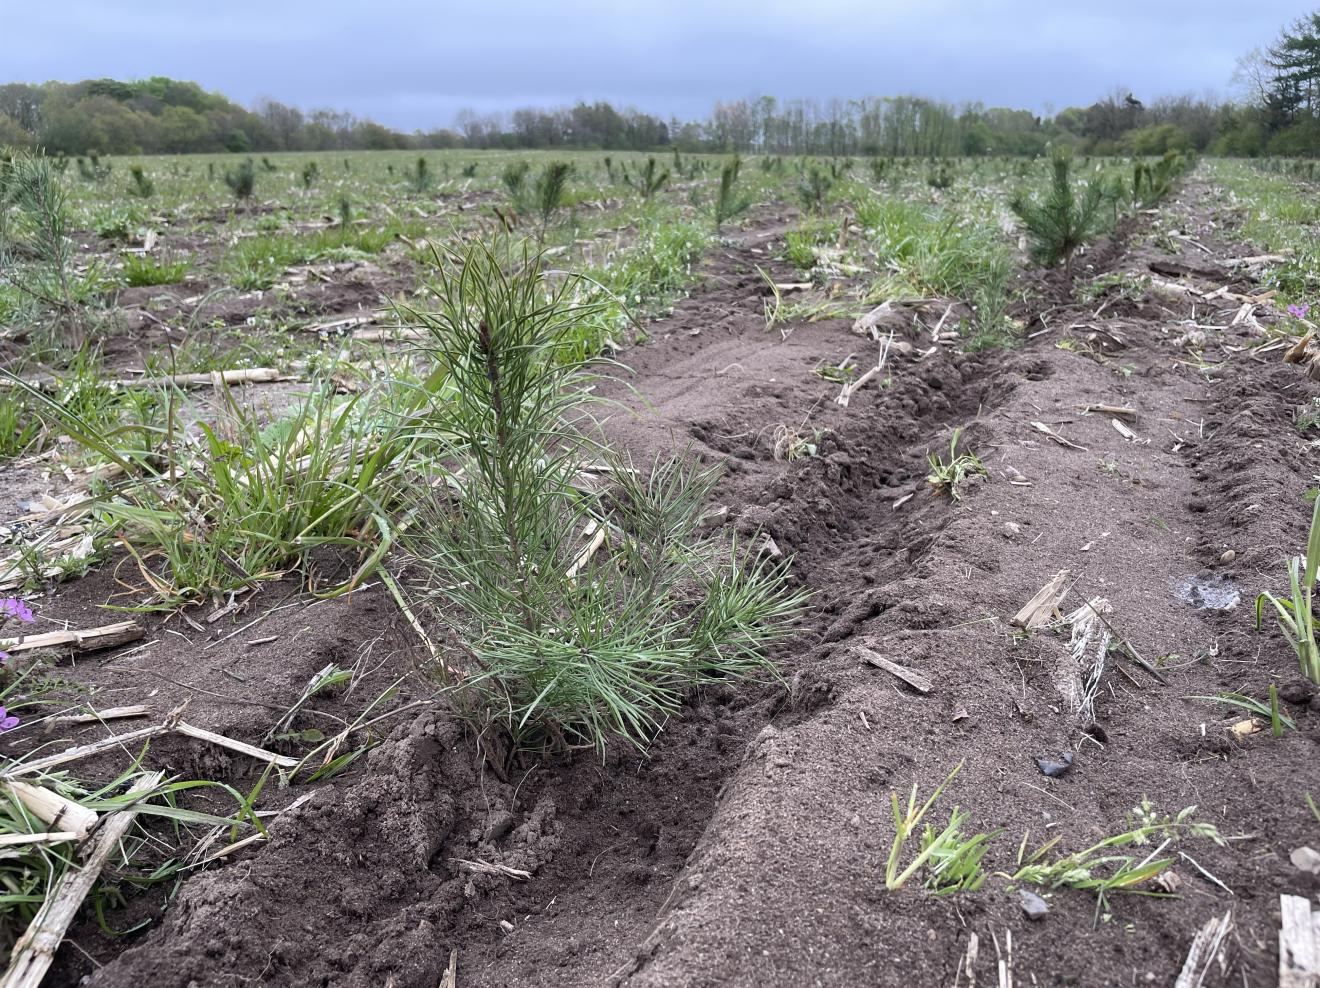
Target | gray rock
(1033,905)
(1306,859)
(1055,769)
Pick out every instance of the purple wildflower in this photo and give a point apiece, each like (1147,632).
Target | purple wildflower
(1299,311)
(7,720)
(12,607)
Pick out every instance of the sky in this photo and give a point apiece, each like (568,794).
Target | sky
(412,64)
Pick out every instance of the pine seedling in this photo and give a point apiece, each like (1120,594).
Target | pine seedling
(651,178)
(140,184)
(242,180)
(93,172)
(36,253)
(1061,221)
(581,615)
(729,202)
(514,180)
(420,176)
(814,189)
(550,187)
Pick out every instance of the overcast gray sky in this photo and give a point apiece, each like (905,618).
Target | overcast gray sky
(413,63)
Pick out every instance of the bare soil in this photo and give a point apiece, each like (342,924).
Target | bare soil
(747,847)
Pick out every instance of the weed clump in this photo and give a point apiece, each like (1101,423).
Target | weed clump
(947,476)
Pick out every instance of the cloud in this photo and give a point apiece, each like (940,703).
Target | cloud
(413,64)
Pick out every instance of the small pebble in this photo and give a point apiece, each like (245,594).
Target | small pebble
(1055,769)
(1306,859)
(1033,905)
(1011,530)
(1228,556)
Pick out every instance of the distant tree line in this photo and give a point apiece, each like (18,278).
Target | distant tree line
(1277,111)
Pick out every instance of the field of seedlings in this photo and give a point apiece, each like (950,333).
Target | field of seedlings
(480,568)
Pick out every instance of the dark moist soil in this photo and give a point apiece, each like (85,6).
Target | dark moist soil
(747,847)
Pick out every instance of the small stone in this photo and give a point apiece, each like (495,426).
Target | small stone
(1054,769)
(1228,556)
(1306,859)
(1168,881)
(856,821)
(1011,530)
(1244,728)
(714,519)
(506,926)
(1033,905)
